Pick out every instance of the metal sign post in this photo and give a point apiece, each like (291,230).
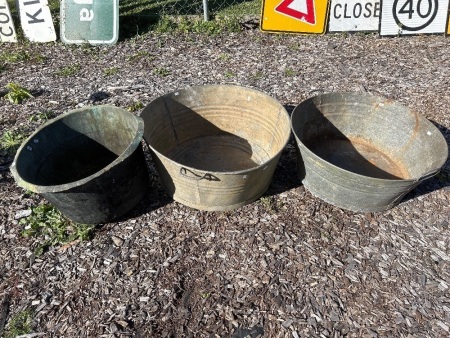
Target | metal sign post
(205,10)
(90,21)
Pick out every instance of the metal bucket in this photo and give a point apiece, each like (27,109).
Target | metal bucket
(88,163)
(362,152)
(216,146)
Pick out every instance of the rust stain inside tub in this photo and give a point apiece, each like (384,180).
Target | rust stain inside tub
(358,156)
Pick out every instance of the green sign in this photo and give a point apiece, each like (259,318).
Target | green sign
(90,21)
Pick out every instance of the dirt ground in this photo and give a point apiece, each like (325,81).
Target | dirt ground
(286,265)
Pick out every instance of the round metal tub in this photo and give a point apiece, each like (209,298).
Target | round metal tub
(363,152)
(88,163)
(216,146)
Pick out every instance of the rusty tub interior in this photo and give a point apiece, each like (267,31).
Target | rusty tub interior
(355,146)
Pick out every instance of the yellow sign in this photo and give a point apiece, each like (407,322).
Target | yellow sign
(448,28)
(295,16)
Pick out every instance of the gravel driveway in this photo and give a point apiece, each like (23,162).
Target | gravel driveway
(287,265)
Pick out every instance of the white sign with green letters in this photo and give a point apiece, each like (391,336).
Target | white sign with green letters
(90,21)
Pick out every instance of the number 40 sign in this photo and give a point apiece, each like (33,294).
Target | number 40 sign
(402,17)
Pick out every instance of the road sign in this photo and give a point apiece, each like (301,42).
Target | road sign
(7,31)
(36,20)
(354,15)
(405,17)
(295,16)
(90,21)
(448,28)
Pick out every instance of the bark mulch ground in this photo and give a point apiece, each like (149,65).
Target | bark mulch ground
(287,265)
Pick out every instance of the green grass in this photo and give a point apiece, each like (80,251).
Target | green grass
(19,324)
(168,16)
(68,70)
(288,72)
(43,116)
(14,56)
(224,57)
(229,74)
(110,71)
(53,228)
(170,24)
(141,16)
(139,55)
(258,75)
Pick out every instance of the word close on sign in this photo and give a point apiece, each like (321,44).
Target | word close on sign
(7,31)
(389,17)
(354,15)
(90,21)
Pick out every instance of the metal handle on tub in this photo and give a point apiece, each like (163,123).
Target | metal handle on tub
(189,174)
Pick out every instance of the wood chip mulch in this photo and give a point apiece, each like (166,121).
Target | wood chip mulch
(287,265)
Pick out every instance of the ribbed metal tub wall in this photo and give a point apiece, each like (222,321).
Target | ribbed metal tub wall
(216,146)
(363,152)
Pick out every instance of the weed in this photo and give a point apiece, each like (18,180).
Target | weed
(258,75)
(288,72)
(270,204)
(3,67)
(68,70)
(160,44)
(39,58)
(14,57)
(47,222)
(10,142)
(43,116)
(165,25)
(224,57)
(135,106)
(110,71)
(295,46)
(16,93)
(205,295)
(161,71)
(20,324)
(229,74)
(138,55)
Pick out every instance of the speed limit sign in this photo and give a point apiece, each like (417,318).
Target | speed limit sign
(402,17)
